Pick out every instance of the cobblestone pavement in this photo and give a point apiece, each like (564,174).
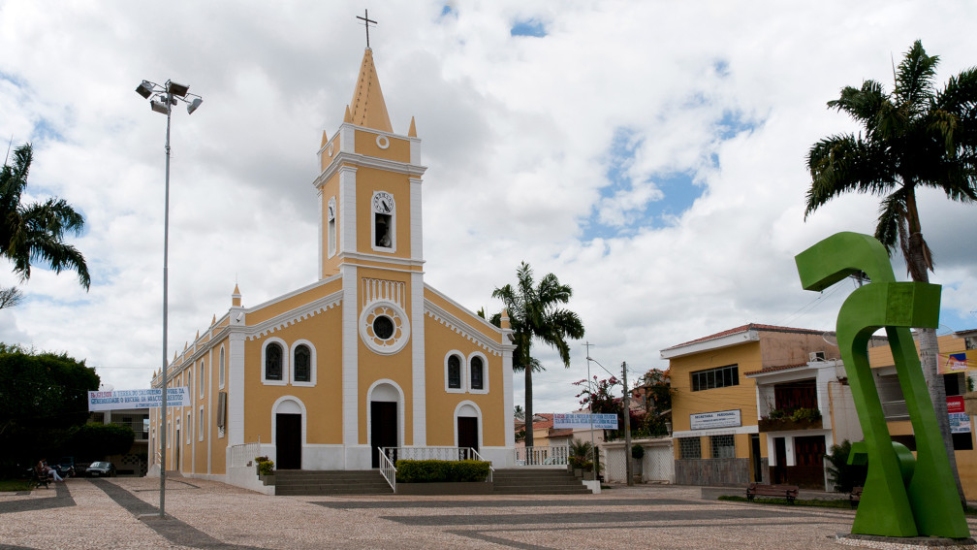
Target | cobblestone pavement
(120,513)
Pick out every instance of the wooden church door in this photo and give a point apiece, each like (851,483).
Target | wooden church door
(468,432)
(288,441)
(383,427)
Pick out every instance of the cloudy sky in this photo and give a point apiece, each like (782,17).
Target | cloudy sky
(650,154)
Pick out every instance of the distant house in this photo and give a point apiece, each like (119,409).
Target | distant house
(134,462)
(715,414)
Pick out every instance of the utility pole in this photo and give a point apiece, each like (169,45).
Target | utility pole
(627,426)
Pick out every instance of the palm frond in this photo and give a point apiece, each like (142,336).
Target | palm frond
(914,78)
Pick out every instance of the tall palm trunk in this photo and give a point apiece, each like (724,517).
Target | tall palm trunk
(918,260)
(529,406)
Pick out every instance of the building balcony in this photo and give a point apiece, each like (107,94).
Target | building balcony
(798,419)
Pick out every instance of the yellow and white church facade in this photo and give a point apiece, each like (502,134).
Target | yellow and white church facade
(366,357)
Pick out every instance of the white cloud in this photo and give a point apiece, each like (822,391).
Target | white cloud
(516,135)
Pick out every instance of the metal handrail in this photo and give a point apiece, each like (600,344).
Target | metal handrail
(476,456)
(542,456)
(387,467)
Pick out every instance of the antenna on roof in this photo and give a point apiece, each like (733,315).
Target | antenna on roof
(5,159)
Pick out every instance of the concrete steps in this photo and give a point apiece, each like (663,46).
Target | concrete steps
(516,481)
(330,482)
(530,481)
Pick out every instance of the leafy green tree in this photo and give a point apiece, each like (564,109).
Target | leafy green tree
(43,396)
(35,232)
(914,137)
(535,314)
(96,441)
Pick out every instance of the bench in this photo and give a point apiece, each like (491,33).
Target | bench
(854,497)
(37,480)
(788,492)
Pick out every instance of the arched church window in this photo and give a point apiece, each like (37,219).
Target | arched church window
(454,372)
(383,222)
(273,361)
(303,363)
(478,373)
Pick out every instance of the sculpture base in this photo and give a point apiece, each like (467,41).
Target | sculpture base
(904,543)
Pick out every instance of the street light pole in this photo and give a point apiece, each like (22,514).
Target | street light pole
(627,427)
(169,94)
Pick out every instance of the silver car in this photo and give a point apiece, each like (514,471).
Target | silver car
(101,469)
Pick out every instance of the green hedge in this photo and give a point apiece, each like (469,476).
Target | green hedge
(440,471)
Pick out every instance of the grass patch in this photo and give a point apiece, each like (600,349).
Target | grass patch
(13,485)
(814,503)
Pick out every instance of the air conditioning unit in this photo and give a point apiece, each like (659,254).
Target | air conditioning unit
(815,356)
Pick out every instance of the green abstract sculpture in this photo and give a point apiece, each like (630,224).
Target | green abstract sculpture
(903,496)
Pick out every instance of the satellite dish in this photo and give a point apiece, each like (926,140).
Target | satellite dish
(105,387)
(830,338)
(943,330)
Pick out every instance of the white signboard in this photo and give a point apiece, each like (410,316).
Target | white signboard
(570,421)
(137,399)
(959,423)
(720,419)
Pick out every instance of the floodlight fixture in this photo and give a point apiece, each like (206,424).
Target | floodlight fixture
(178,90)
(159,107)
(145,88)
(194,105)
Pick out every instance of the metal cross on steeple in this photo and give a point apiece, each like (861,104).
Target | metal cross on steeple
(366,23)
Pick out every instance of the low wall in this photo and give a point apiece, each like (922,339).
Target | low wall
(713,471)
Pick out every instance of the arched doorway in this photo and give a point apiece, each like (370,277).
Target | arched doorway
(466,426)
(384,419)
(288,435)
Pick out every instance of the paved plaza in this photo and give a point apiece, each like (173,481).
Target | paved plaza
(118,513)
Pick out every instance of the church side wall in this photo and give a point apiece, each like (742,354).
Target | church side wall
(322,402)
(441,405)
(293,302)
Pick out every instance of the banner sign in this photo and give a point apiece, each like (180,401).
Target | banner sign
(137,399)
(954,362)
(959,420)
(720,419)
(570,421)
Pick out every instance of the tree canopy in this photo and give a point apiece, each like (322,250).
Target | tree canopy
(42,396)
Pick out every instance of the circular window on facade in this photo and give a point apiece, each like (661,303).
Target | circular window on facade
(384,327)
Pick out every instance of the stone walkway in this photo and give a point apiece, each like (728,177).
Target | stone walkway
(120,513)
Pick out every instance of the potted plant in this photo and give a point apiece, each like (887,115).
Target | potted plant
(580,452)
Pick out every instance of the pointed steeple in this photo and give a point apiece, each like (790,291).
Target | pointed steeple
(236,297)
(367,108)
(412,131)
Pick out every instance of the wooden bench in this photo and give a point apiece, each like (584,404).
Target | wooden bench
(36,480)
(854,497)
(788,492)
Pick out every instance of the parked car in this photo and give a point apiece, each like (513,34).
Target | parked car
(101,469)
(66,467)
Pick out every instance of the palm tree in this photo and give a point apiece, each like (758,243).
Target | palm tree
(914,137)
(35,232)
(535,314)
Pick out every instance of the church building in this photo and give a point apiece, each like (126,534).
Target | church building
(367,356)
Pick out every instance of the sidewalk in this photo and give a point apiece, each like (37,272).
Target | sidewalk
(111,513)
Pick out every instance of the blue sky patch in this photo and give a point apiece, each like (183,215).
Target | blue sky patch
(732,124)
(528,27)
(448,11)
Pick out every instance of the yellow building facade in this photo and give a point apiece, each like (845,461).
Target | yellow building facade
(716,433)
(366,357)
